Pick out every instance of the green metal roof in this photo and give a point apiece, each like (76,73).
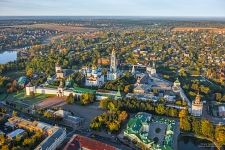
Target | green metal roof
(83,90)
(22,80)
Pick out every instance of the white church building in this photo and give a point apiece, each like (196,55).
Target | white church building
(94,76)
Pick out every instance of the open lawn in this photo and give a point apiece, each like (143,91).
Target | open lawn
(20,97)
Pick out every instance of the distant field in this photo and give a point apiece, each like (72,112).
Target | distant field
(58,27)
(196,29)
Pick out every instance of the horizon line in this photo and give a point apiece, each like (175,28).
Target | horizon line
(106,16)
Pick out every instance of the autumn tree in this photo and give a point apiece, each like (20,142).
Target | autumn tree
(87,98)
(160,109)
(220,134)
(196,126)
(184,120)
(29,72)
(123,116)
(113,126)
(207,128)
(70,99)
(103,103)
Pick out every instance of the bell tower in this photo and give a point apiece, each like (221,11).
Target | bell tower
(113,62)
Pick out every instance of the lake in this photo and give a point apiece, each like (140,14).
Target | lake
(7,56)
(193,143)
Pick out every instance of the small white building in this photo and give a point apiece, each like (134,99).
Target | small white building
(59,72)
(176,86)
(151,70)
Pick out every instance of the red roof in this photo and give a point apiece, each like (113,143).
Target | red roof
(78,141)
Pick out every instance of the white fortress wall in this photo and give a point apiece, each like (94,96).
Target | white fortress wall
(40,90)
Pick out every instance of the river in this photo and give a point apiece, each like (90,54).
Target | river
(7,56)
(193,143)
(11,55)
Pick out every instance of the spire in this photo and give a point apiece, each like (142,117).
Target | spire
(198,99)
(113,51)
(118,94)
(153,64)
(133,70)
(177,81)
(113,65)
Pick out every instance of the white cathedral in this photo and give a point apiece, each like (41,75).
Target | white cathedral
(94,76)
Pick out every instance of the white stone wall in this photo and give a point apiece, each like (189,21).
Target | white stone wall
(40,90)
(52,91)
(29,90)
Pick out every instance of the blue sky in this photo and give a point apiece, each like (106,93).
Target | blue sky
(196,8)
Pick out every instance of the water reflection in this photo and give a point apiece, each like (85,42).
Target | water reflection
(193,143)
(7,56)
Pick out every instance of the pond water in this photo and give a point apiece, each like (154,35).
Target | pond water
(193,143)
(7,56)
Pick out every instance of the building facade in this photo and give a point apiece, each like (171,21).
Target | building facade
(94,77)
(197,106)
(59,72)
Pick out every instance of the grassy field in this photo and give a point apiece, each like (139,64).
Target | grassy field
(20,97)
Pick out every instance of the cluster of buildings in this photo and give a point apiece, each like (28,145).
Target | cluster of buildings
(54,134)
(68,119)
(18,133)
(95,77)
(145,88)
(153,134)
